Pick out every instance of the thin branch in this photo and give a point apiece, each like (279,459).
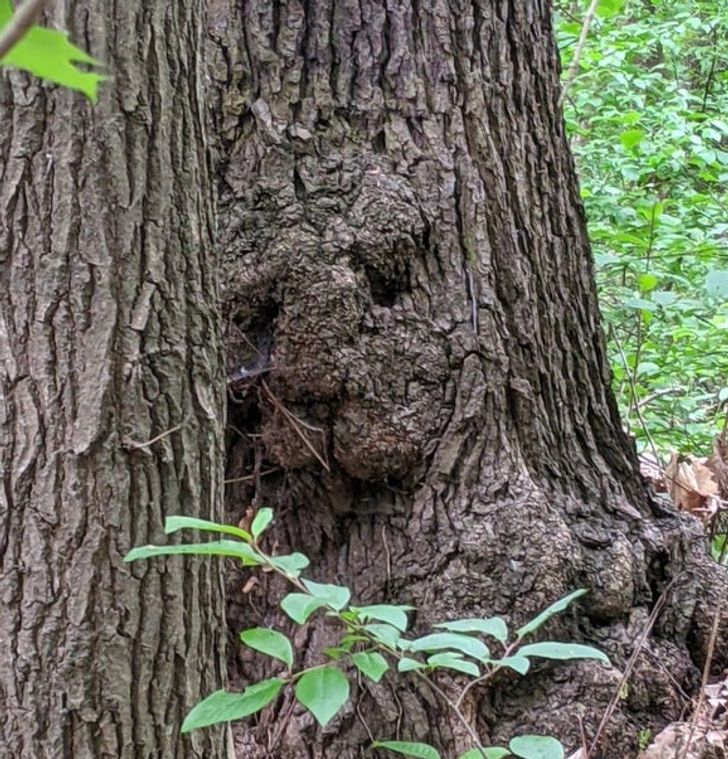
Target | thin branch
(133,445)
(19,24)
(249,477)
(704,682)
(487,676)
(658,394)
(639,645)
(296,424)
(455,708)
(711,73)
(633,391)
(573,68)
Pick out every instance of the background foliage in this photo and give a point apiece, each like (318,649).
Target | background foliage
(648,121)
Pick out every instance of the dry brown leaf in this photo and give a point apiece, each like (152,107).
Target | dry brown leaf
(672,742)
(718,464)
(247,520)
(690,483)
(708,737)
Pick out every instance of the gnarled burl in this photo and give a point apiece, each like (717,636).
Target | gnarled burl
(405,252)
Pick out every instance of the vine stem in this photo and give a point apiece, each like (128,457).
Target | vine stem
(19,24)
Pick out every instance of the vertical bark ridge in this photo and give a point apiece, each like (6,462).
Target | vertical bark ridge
(109,340)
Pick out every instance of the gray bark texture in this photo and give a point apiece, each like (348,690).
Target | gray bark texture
(111,395)
(418,377)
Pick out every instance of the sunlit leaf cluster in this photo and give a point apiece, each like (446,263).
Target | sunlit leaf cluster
(49,55)
(373,642)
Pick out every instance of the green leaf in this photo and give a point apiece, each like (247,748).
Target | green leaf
(263,518)
(418,750)
(536,747)
(292,563)
(49,55)
(269,642)
(335,596)
(492,752)
(350,639)
(631,138)
(173,524)
(552,650)
(607,8)
(393,615)
(449,660)
(438,641)
(406,664)
(213,548)
(386,634)
(300,607)
(222,706)
(323,691)
(647,282)
(716,283)
(664,298)
(495,627)
(640,303)
(546,614)
(518,663)
(371,664)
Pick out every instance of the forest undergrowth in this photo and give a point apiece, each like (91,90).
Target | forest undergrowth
(646,107)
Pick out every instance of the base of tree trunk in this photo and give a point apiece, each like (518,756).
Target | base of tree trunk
(418,376)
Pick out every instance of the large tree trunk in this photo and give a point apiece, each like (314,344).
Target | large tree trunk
(111,396)
(406,258)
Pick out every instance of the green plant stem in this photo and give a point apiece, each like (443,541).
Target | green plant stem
(631,380)
(487,676)
(571,73)
(19,24)
(358,628)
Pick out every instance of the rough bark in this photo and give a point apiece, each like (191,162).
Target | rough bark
(418,377)
(111,395)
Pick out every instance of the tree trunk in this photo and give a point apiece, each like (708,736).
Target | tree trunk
(112,395)
(418,374)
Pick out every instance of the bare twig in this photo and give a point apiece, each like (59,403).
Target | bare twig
(134,445)
(571,73)
(657,394)
(639,645)
(19,24)
(633,389)
(704,683)
(711,73)
(455,708)
(387,553)
(249,477)
(487,676)
(296,424)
